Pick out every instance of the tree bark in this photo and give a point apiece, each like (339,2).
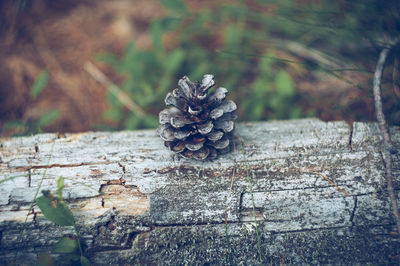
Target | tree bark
(314,193)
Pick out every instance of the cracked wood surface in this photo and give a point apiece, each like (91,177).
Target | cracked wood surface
(136,204)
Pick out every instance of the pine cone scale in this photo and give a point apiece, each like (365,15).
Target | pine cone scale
(187,86)
(179,147)
(215,135)
(193,146)
(182,134)
(166,133)
(220,144)
(226,126)
(205,128)
(180,121)
(179,103)
(218,95)
(207,82)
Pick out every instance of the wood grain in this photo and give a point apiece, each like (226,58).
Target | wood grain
(136,203)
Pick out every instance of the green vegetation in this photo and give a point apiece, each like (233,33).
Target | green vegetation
(258,51)
(56,210)
(248,49)
(264,84)
(34,126)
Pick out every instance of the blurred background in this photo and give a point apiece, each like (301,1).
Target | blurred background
(80,65)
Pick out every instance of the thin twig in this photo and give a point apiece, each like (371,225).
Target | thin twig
(396,77)
(330,181)
(228,201)
(252,200)
(387,145)
(114,89)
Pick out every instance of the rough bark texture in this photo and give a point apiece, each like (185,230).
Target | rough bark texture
(134,203)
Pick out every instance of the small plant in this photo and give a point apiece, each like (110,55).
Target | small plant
(33,126)
(57,211)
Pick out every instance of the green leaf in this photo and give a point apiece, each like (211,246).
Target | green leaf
(169,23)
(157,28)
(39,84)
(175,59)
(108,58)
(276,101)
(156,34)
(55,210)
(66,245)
(114,114)
(176,6)
(232,37)
(284,83)
(60,187)
(129,61)
(150,121)
(295,112)
(49,117)
(257,111)
(85,261)
(145,121)
(113,100)
(132,122)
(265,65)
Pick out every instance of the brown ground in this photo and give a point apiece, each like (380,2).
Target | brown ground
(62,36)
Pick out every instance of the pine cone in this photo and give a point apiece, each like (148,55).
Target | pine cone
(198,125)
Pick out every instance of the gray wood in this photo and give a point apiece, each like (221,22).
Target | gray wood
(136,203)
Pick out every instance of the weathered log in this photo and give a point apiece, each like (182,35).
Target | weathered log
(316,191)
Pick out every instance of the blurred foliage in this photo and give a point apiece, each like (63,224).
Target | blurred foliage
(34,126)
(241,45)
(39,84)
